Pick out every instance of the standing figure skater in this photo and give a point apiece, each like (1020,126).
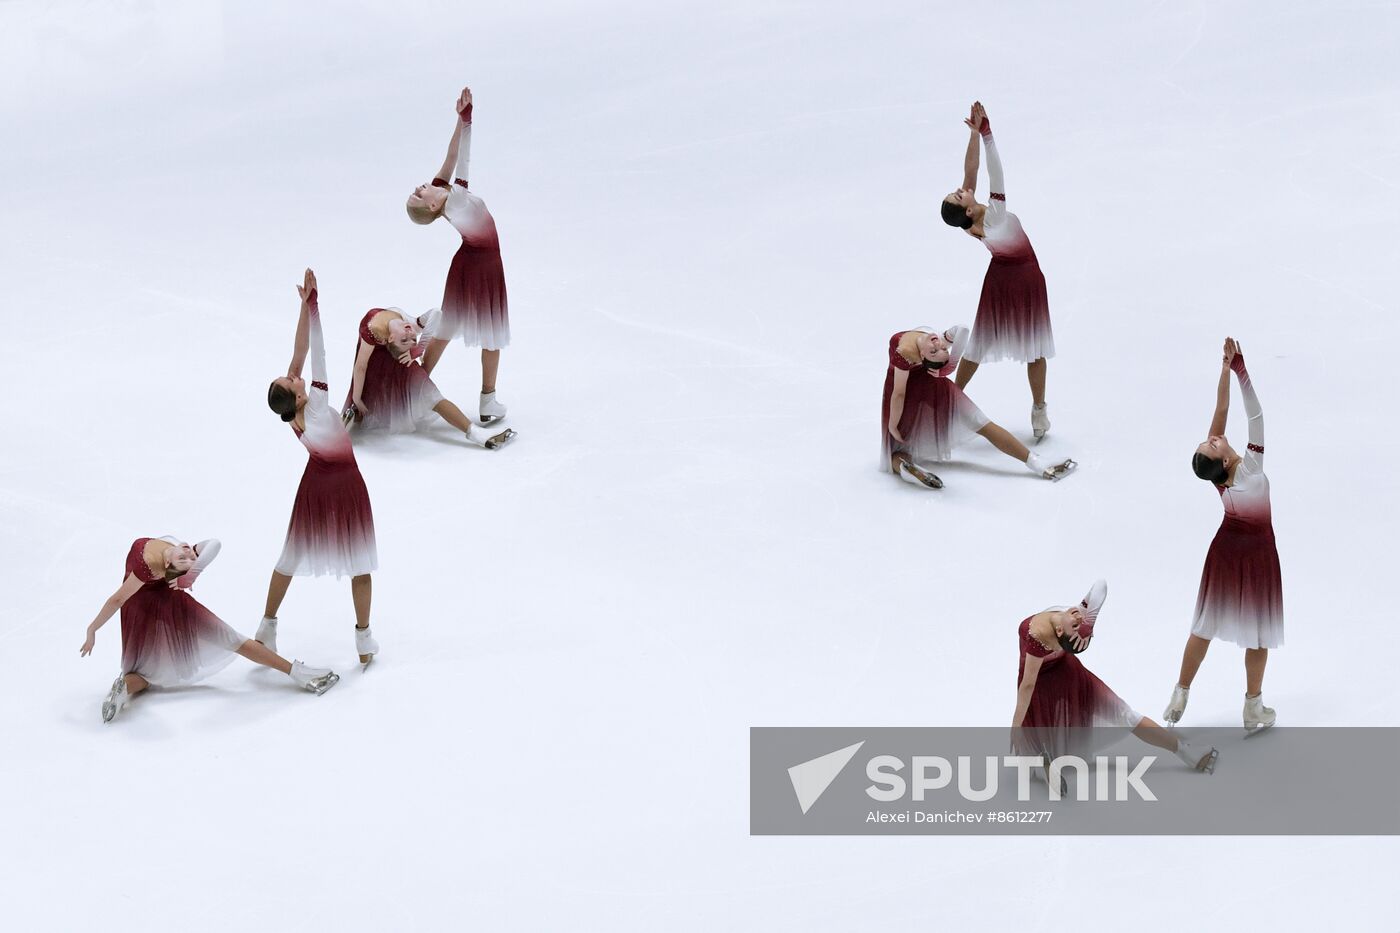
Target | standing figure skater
(474,301)
(924,414)
(391,390)
(1241,594)
(332,527)
(1013,316)
(1056,693)
(169,638)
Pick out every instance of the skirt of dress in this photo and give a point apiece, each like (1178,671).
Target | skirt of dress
(332,526)
(1241,594)
(1013,316)
(937,418)
(170,639)
(1072,712)
(474,300)
(398,396)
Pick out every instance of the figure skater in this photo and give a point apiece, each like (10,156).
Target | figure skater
(1056,693)
(925,414)
(391,390)
(1013,315)
(169,638)
(332,527)
(474,300)
(1241,594)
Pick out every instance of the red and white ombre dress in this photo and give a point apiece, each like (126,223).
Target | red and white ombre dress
(168,636)
(474,300)
(1241,595)
(1013,315)
(397,395)
(332,527)
(937,415)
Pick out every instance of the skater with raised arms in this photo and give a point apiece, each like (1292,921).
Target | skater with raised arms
(332,526)
(474,299)
(169,639)
(1058,699)
(925,415)
(391,390)
(1013,315)
(1241,594)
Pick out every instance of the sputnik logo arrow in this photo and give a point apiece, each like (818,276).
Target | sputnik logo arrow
(811,778)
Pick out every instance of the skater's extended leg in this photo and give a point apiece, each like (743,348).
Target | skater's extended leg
(433,354)
(1153,734)
(1035,372)
(453,415)
(490,365)
(135,683)
(276,592)
(966,370)
(1254,661)
(1191,659)
(256,653)
(361,589)
(1003,441)
(1193,756)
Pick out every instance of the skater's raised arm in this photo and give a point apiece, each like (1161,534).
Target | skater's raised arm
(957,342)
(973,157)
(460,148)
(205,552)
(317,344)
(129,586)
(1222,392)
(1254,451)
(1025,690)
(996,179)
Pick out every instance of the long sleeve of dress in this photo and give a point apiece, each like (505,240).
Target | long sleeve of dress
(996,198)
(1254,452)
(464,149)
(316,345)
(207,550)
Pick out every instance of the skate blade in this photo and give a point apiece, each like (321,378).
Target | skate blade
(321,686)
(1060,470)
(501,440)
(492,419)
(930,480)
(1250,732)
(1207,764)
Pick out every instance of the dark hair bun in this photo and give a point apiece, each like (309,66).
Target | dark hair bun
(1209,469)
(955,215)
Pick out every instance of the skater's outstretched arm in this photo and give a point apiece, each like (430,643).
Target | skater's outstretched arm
(1222,392)
(459,149)
(973,157)
(897,391)
(1026,690)
(129,586)
(311,310)
(957,343)
(1254,451)
(996,179)
(205,552)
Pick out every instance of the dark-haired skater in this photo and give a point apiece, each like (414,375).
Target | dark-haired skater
(332,527)
(925,415)
(168,638)
(1013,315)
(1059,700)
(474,299)
(1241,594)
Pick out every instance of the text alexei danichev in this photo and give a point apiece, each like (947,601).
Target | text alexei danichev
(959,816)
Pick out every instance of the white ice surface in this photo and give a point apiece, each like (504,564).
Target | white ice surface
(712,216)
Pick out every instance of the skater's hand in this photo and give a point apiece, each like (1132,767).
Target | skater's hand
(404,356)
(87,645)
(307,290)
(1230,351)
(360,409)
(464,100)
(894,433)
(977,118)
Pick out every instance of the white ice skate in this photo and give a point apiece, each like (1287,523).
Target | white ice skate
(1040,420)
(1177,706)
(316,679)
(1257,716)
(916,475)
(490,441)
(267,634)
(1054,472)
(117,698)
(1194,757)
(365,645)
(491,410)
